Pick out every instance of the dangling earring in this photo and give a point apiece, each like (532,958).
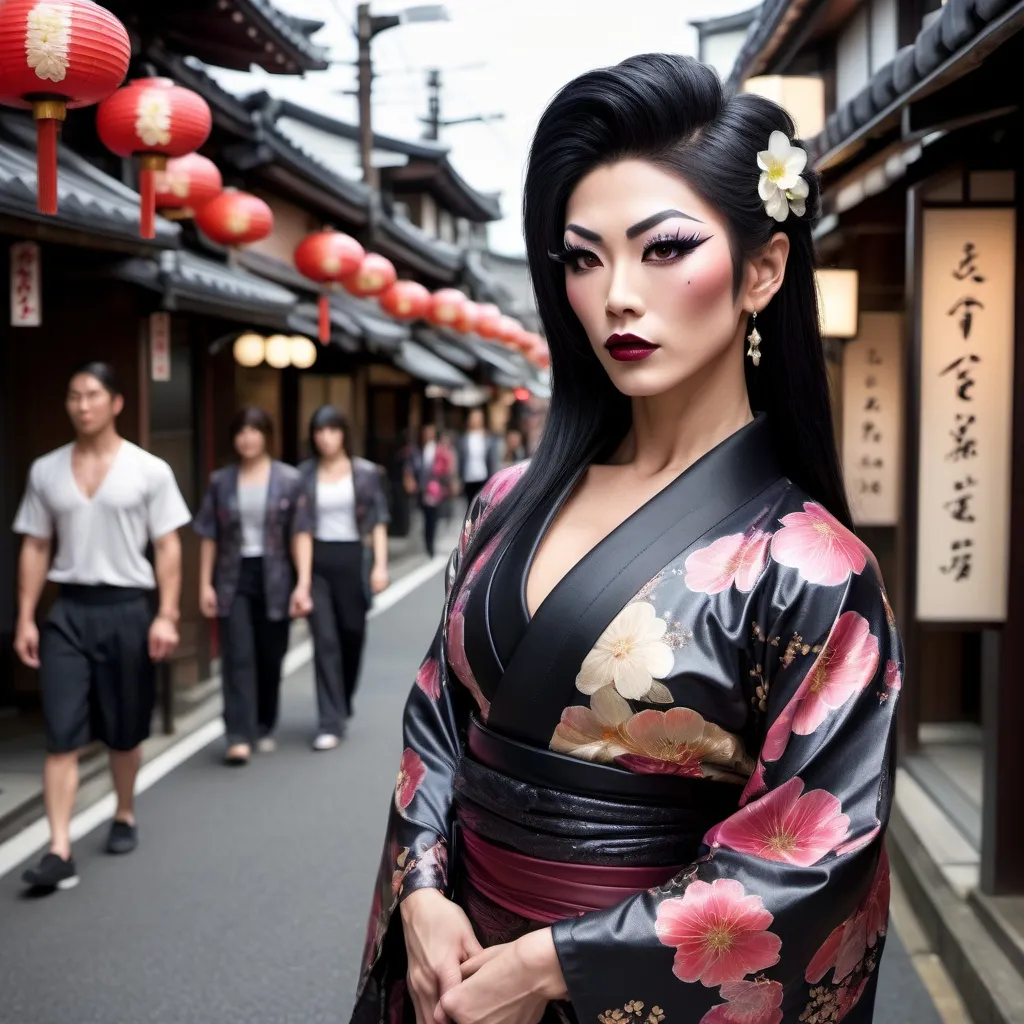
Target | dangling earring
(754,337)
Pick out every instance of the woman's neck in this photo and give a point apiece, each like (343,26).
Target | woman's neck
(673,430)
(256,466)
(334,463)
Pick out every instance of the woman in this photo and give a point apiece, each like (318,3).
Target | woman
(429,475)
(515,449)
(350,564)
(255,570)
(649,758)
(479,456)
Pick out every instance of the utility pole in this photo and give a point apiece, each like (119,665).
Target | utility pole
(434,121)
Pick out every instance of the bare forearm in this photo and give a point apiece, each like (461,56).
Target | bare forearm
(33,564)
(207,557)
(302,556)
(380,546)
(168,575)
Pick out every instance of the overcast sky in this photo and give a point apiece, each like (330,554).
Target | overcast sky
(495,56)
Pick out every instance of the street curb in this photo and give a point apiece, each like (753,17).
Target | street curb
(990,987)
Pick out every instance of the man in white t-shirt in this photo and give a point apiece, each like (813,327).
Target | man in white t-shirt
(103,500)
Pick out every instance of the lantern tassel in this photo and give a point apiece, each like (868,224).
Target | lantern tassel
(48,114)
(325,320)
(150,165)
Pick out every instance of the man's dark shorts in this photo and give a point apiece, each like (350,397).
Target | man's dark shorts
(96,676)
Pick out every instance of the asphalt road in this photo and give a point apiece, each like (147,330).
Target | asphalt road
(246,901)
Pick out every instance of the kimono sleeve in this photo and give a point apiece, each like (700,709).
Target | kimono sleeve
(205,521)
(783,916)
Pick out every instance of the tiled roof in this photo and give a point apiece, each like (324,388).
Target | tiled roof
(89,200)
(294,31)
(959,28)
(400,239)
(770,26)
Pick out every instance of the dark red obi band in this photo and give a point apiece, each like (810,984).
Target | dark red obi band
(548,890)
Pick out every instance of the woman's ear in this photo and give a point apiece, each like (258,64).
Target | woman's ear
(767,272)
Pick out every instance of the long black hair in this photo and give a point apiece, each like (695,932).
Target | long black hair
(670,110)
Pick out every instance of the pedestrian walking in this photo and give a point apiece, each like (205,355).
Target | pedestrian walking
(255,574)
(515,447)
(350,564)
(479,455)
(428,476)
(103,500)
(649,758)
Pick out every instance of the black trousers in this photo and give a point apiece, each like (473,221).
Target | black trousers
(431,513)
(338,624)
(252,651)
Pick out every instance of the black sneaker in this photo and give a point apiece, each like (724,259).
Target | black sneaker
(123,838)
(52,872)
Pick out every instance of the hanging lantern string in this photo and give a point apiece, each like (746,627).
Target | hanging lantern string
(48,114)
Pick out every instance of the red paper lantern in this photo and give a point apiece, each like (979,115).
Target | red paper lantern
(405,300)
(155,119)
(508,330)
(488,320)
(56,56)
(446,307)
(540,355)
(187,184)
(468,315)
(235,218)
(327,258)
(375,275)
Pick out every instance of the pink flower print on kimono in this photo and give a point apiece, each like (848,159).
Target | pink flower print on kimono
(845,666)
(786,826)
(631,655)
(818,546)
(736,560)
(460,663)
(749,1002)
(411,773)
(719,931)
(428,679)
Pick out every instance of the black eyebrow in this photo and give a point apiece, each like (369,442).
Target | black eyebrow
(590,236)
(657,218)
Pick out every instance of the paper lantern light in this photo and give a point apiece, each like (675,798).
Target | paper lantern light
(301,352)
(446,307)
(375,275)
(235,218)
(508,330)
(278,351)
(405,300)
(327,258)
(488,320)
(154,119)
(467,318)
(187,184)
(248,349)
(56,56)
(837,302)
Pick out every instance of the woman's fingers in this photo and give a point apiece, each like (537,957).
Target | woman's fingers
(471,945)
(474,963)
(424,997)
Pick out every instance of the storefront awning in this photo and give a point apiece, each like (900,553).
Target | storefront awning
(423,364)
(89,200)
(382,334)
(452,351)
(198,285)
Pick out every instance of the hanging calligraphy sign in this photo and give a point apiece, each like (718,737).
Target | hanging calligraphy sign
(26,289)
(160,346)
(967,338)
(872,406)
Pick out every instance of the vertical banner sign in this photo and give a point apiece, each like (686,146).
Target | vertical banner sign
(872,419)
(26,287)
(967,336)
(160,346)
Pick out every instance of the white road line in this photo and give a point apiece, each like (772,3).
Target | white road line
(18,848)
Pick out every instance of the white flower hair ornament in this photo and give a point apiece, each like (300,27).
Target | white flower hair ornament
(781,187)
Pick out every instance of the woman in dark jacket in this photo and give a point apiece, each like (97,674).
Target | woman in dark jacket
(350,564)
(255,569)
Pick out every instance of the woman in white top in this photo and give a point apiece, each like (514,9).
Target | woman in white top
(255,568)
(350,564)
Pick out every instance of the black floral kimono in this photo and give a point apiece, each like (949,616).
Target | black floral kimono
(683,763)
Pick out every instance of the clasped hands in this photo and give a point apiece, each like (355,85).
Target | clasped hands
(452,978)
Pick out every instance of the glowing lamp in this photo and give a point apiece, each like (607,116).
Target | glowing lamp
(187,184)
(54,57)
(301,352)
(837,303)
(248,350)
(327,258)
(278,351)
(375,275)
(405,300)
(154,119)
(446,307)
(488,320)
(235,218)
(521,394)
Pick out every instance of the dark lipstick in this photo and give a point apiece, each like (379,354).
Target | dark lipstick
(629,348)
